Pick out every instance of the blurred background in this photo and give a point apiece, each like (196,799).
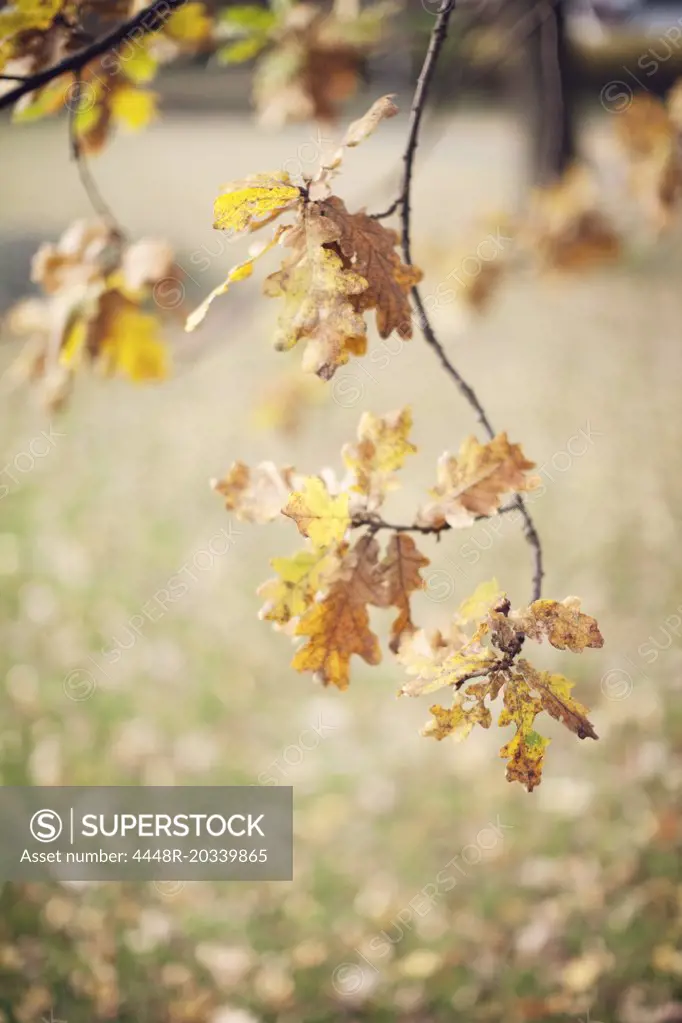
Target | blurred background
(565,904)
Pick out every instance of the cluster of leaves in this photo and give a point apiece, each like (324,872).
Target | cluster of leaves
(567,226)
(340,265)
(96,310)
(323,593)
(110,91)
(309,61)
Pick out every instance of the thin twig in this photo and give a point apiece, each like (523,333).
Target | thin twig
(436,42)
(97,200)
(375,523)
(151,19)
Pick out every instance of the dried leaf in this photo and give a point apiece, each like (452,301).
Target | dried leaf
(317,291)
(369,248)
(381,449)
(563,624)
(525,752)
(400,569)
(338,626)
(554,692)
(474,482)
(256,495)
(361,129)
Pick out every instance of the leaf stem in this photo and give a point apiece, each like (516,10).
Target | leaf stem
(97,200)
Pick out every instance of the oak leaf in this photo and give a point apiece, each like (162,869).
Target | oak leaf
(369,249)
(525,752)
(562,623)
(251,203)
(296,585)
(381,449)
(554,692)
(400,567)
(474,482)
(457,720)
(317,513)
(256,495)
(338,626)
(318,296)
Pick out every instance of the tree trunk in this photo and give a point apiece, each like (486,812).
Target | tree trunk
(547,88)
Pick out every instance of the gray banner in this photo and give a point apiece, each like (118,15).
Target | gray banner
(155,833)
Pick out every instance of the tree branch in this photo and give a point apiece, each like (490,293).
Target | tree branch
(97,200)
(436,42)
(151,19)
(375,523)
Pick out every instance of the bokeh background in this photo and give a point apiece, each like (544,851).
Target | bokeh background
(562,905)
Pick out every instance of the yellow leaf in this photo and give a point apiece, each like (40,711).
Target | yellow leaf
(470,661)
(317,514)
(256,495)
(474,482)
(133,347)
(139,64)
(237,273)
(28,14)
(132,107)
(457,720)
(554,692)
(253,202)
(299,578)
(525,752)
(189,23)
(563,624)
(484,597)
(382,448)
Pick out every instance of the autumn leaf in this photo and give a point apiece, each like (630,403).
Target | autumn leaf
(298,580)
(249,204)
(369,249)
(400,568)
(474,482)
(484,597)
(563,624)
(361,129)
(240,272)
(525,752)
(554,692)
(256,495)
(381,449)
(471,660)
(317,514)
(318,294)
(338,626)
(457,720)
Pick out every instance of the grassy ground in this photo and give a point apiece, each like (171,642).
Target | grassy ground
(559,904)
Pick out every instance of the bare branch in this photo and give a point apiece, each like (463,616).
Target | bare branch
(151,19)
(376,523)
(435,47)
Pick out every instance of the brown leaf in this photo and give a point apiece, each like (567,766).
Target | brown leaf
(369,249)
(563,624)
(361,129)
(400,567)
(474,482)
(338,626)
